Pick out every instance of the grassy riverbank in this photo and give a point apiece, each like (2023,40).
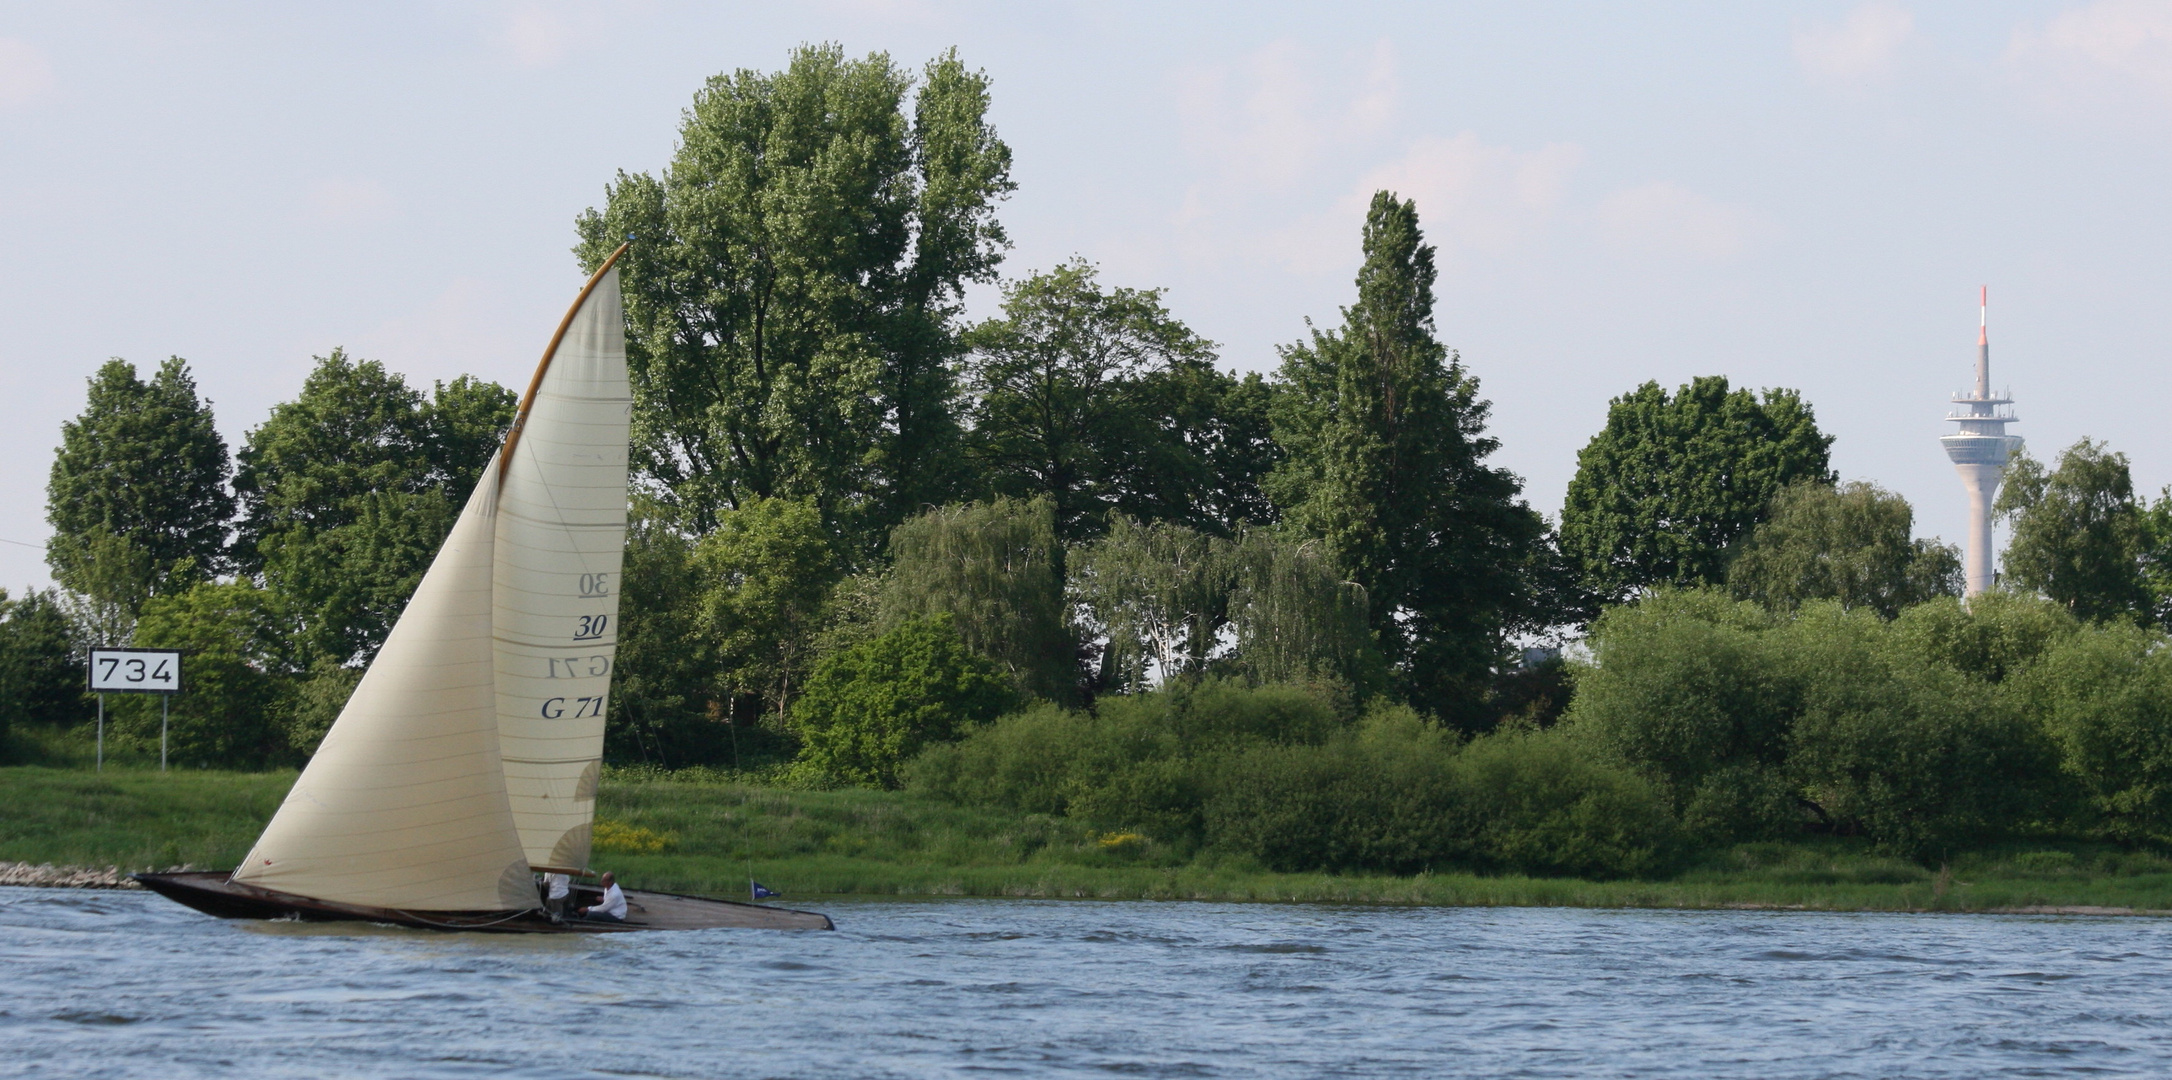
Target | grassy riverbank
(707,837)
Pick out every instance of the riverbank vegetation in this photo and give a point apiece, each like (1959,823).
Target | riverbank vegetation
(1063,565)
(701,832)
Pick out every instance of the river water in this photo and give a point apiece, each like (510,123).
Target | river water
(126,984)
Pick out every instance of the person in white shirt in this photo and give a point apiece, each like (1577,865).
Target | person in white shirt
(613,906)
(556,887)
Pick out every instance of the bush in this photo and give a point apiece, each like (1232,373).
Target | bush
(1546,802)
(2105,698)
(1918,756)
(1683,684)
(869,709)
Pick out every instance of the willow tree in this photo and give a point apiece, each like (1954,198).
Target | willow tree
(1384,433)
(794,283)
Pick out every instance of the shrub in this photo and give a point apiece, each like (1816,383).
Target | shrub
(2104,696)
(1683,684)
(1918,756)
(1546,802)
(870,708)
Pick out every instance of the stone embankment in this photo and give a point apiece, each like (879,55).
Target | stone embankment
(70,877)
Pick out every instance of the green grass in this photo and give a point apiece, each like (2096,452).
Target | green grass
(871,843)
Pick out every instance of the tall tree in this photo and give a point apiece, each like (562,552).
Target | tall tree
(794,283)
(766,573)
(1661,492)
(348,490)
(1159,592)
(1100,400)
(137,494)
(1385,436)
(41,675)
(1853,543)
(2079,535)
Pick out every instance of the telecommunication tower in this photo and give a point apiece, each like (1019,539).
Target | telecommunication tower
(1980,450)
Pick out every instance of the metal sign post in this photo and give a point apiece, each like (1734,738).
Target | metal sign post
(135,671)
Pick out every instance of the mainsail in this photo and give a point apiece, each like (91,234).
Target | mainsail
(469,753)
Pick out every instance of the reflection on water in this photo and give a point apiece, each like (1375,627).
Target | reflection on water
(127,984)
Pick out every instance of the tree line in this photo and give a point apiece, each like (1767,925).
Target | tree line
(876,542)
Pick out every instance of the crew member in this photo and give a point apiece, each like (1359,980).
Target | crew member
(556,887)
(613,906)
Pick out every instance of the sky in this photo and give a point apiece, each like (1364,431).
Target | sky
(1796,195)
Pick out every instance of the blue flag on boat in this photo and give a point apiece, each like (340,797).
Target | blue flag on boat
(763,892)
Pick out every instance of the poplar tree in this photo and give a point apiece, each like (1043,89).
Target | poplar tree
(1384,433)
(794,282)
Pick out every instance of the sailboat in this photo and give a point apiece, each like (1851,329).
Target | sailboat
(467,759)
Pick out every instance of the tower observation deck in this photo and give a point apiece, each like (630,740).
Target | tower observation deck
(1979,452)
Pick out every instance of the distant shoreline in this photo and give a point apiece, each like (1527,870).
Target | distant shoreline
(72,828)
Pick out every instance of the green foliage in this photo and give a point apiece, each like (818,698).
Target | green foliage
(1924,758)
(1993,636)
(1297,620)
(313,702)
(225,716)
(2079,535)
(1672,481)
(1102,402)
(2106,699)
(1852,543)
(794,282)
(1383,432)
(348,490)
(662,689)
(1272,773)
(1686,684)
(1898,730)
(997,570)
(143,464)
(1159,592)
(41,674)
(871,708)
(765,575)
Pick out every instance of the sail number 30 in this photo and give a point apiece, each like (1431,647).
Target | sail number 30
(591,627)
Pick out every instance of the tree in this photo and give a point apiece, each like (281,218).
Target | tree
(765,576)
(1296,620)
(1384,434)
(1101,401)
(794,281)
(143,464)
(226,714)
(1851,543)
(2078,533)
(1661,492)
(41,675)
(873,707)
(1160,593)
(349,489)
(995,568)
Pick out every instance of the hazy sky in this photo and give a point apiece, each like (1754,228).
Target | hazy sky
(1801,195)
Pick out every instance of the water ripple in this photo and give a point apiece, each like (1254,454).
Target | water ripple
(115,984)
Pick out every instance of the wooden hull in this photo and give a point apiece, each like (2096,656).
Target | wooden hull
(212,893)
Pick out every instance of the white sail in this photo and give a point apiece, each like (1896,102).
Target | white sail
(404,804)
(561,535)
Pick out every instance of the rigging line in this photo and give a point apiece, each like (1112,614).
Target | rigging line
(18,543)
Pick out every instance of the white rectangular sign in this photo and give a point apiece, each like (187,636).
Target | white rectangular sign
(135,671)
